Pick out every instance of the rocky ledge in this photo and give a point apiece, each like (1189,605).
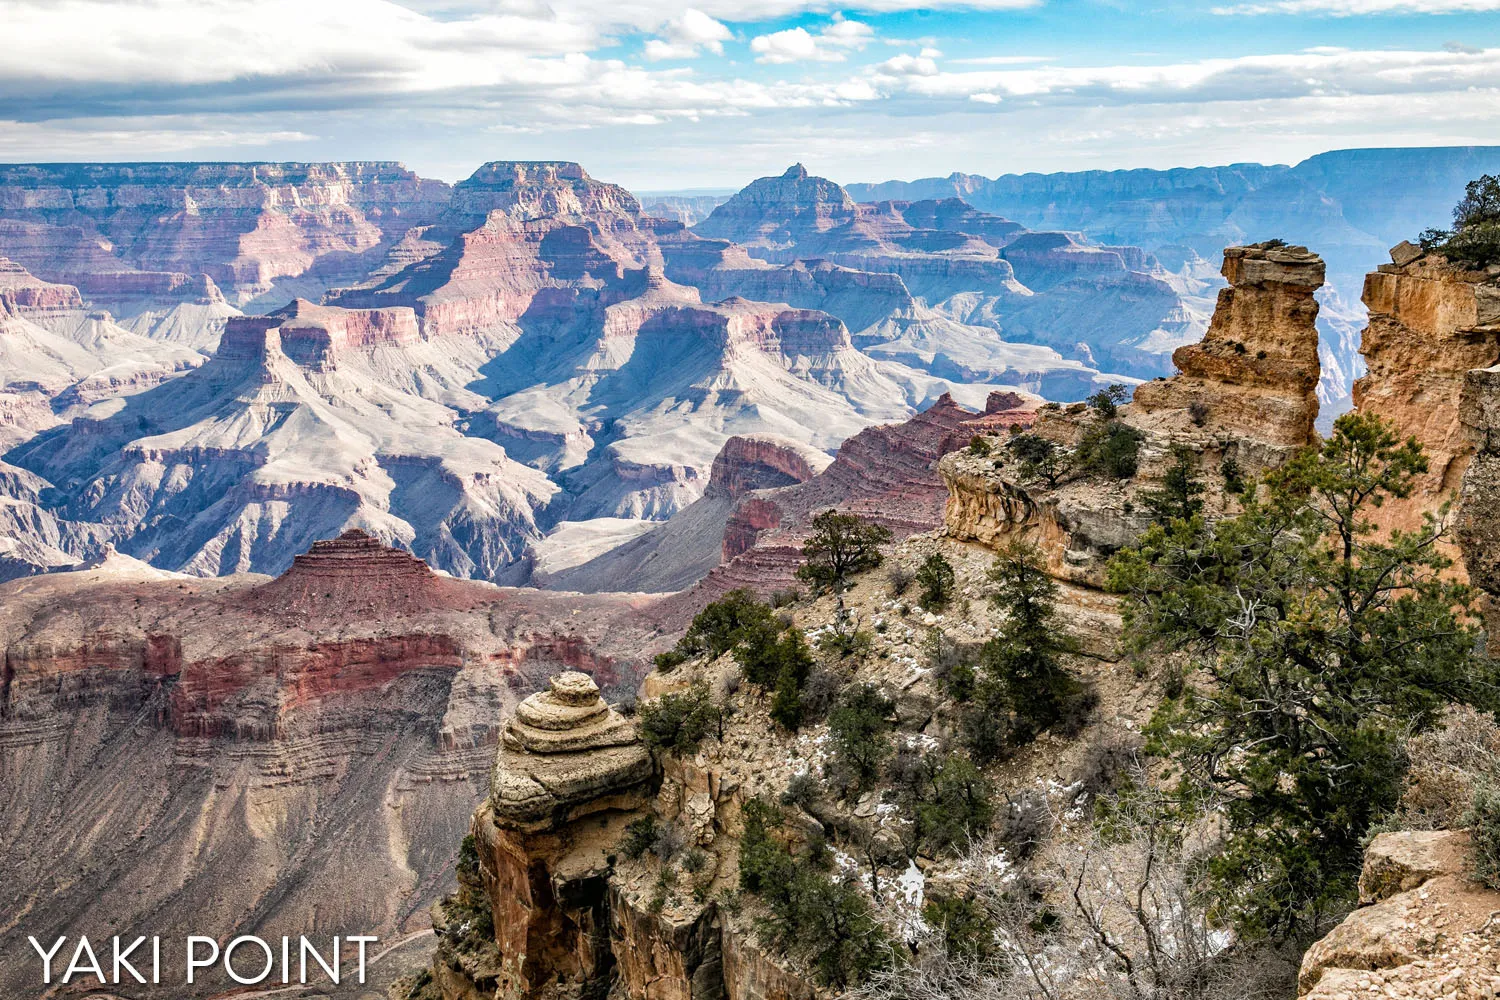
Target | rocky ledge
(1423,929)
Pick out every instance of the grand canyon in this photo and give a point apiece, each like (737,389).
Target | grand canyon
(356,529)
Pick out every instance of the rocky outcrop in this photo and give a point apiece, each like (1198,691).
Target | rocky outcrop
(1433,332)
(1255,373)
(1247,392)
(566,757)
(1423,928)
(20,291)
(572,914)
(761,462)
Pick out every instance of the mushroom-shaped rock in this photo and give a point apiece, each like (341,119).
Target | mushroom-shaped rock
(565,754)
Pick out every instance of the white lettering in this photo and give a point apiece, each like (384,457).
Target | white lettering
(120,960)
(362,941)
(46,957)
(229,959)
(193,962)
(74,968)
(333,973)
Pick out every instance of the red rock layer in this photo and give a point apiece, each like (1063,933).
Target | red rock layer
(120,229)
(21,291)
(757,462)
(355,570)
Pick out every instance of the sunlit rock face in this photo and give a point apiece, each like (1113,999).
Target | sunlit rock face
(1433,332)
(1255,372)
(1246,392)
(124,231)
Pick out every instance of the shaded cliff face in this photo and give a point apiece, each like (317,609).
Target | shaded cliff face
(123,230)
(290,756)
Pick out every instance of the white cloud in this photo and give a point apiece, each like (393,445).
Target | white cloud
(688,34)
(799,45)
(1356,8)
(907,65)
(1002,60)
(1319,73)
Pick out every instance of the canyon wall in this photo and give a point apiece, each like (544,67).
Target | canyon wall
(295,756)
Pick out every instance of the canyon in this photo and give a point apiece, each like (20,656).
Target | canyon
(283,443)
(518,370)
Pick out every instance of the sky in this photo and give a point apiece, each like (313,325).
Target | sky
(658,96)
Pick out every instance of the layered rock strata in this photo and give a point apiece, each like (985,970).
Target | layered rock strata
(164,229)
(279,755)
(1433,336)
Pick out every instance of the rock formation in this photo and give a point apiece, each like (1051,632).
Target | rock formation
(1247,392)
(568,770)
(1255,372)
(1423,928)
(1432,331)
(123,231)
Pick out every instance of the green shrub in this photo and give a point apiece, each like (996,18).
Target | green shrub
(720,625)
(1111,449)
(1234,476)
(1483,821)
(944,796)
(978,446)
(1040,458)
(859,728)
(936,578)
(679,721)
(1106,402)
(1022,687)
(1181,492)
(840,546)
(1475,237)
(639,836)
(820,920)
(967,928)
